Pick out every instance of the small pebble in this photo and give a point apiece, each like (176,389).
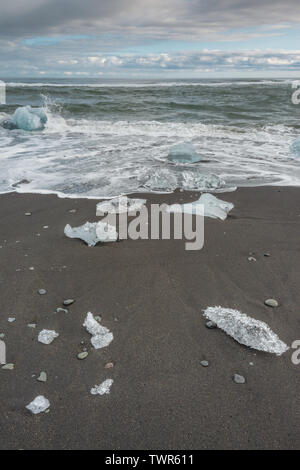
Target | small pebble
(64,310)
(42,377)
(11,319)
(204,363)
(109,365)
(72,211)
(210,324)
(8,367)
(31,325)
(271,303)
(31,268)
(28,214)
(251,258)
(251,363)
(239,379)
(82,355)
(68,302)
(46,226)
(42,292)
(267,255)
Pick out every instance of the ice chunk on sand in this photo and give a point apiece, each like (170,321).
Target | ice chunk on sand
(102,389)
(101,336)
(29,119)
(213,207)
(246,330)
(196,181)
(161,179)
(93,232)
(295,148)
(119,205)
(47,336)
(38,405)
(184,153)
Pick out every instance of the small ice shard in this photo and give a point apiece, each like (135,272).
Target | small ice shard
(295,148)
(93,232)
(47,336)
(38,405)
(102,389)
(246,330)
(212,206)
(119,205)
(101,336)
(29,119)
(184,153)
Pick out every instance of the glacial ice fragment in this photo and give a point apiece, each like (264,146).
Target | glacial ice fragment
(196,181)
(93,232)
(246,330)
(38,405)
(213,207)
(47,336)
(102,389)
(184,153)
(101,336)
(119,205)
(29,119)
(295,147)
(8,124)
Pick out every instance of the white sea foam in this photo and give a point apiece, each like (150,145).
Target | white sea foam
(102,158)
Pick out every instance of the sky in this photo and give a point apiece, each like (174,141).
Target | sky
(149,38)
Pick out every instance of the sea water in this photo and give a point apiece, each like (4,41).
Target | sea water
(106,138)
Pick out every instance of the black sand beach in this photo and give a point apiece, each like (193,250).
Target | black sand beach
(151,295)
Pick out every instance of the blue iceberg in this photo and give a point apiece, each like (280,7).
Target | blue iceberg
(29,119)
(295,148)
(184,153)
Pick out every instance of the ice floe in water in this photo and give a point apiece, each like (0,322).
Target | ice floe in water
(184,153)
(246,330)
(47,336)
(119,205)
(165,179)
(101,336)
(38,405)
(295,148)
(102,389)
(28,119)
(212,206)
(93,232)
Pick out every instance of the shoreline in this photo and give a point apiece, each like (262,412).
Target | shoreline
(150,294)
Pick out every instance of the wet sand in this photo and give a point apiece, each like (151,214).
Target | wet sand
(151,295)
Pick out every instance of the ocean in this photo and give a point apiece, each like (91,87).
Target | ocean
(104,138)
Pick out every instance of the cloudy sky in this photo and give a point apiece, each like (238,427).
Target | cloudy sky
(149,38)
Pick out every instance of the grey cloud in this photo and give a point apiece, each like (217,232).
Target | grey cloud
(159,19)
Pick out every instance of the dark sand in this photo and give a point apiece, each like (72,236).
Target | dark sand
(151,295)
